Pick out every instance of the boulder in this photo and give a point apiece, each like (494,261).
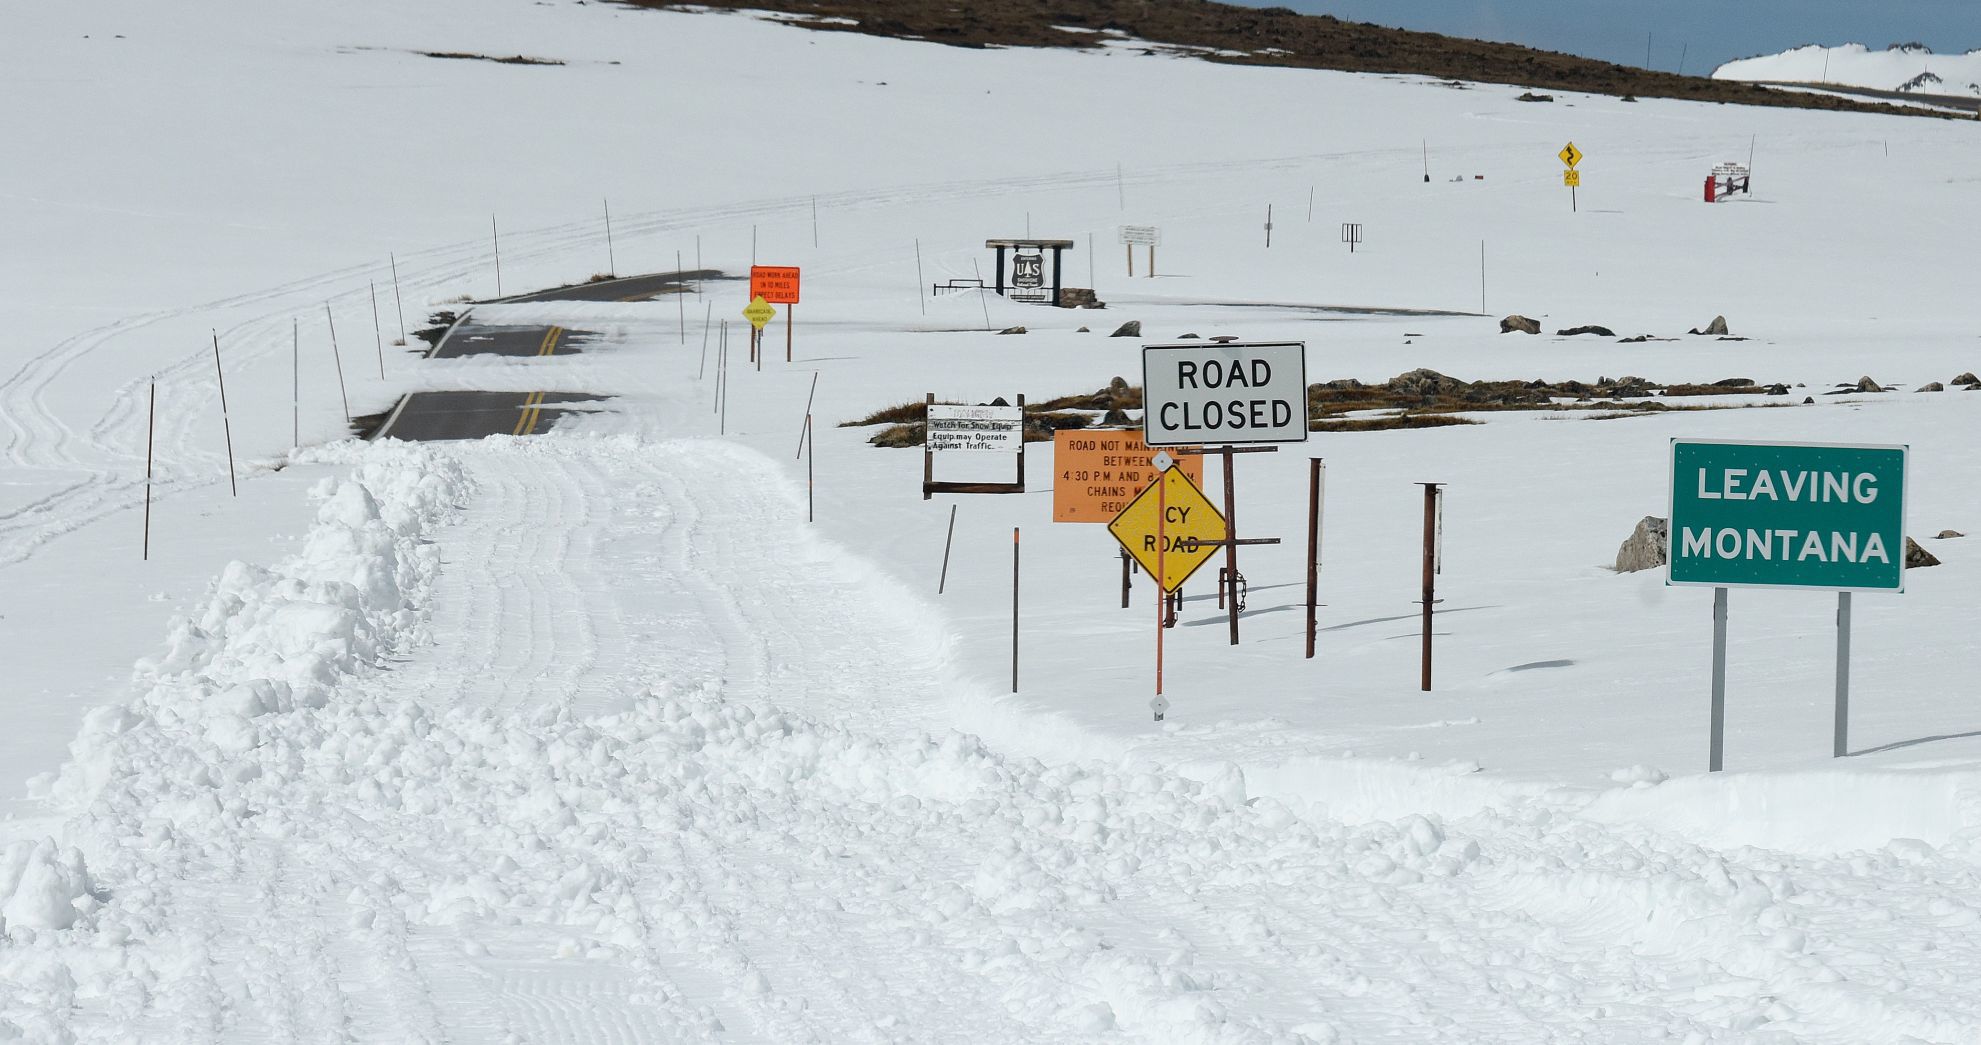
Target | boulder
(1520,323)
(1530,96)
(1947,535)
(1916,557)
(1132,328)
(1644,549)
(1012,330)
(1932,386)
(1115,419)
(1083,330)
(1424,382)
(1117,386)
(1078,297)
(1808,400)
(1966,379)
(1596,330)
(1189,337)
(1717,328)
(1865,384)
(1638,340)
(1777,390)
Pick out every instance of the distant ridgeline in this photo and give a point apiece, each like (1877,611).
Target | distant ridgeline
(1908,68)
(1276,36)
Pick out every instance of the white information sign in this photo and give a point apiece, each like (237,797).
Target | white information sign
(983,429)
(1230,393)
(1136,235)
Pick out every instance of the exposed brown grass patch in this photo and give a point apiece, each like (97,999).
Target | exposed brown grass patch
(1276,36)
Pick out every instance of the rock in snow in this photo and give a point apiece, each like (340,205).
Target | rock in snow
(1917,557)
(1521,324)
(1644,549)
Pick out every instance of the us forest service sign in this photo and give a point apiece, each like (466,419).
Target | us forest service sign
(1787,515)
(1233,393)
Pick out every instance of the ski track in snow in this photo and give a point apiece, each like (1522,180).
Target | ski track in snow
(691,794)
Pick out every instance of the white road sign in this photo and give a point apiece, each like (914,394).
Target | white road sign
(1234,392)
(1135,235)
(987,429)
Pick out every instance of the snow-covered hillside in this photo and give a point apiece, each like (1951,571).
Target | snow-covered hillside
(589,736)
(1910,68)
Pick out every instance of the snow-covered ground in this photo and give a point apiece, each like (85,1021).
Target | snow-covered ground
(1896,68)
(589,737)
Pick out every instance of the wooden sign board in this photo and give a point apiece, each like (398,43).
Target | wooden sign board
(777,284)
(1096,473)
(975,429)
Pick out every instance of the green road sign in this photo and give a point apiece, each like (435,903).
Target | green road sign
(1787,515)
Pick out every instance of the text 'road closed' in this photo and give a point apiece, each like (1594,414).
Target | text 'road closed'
(1224,393)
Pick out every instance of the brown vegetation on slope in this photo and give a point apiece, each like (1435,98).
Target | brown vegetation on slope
(1262,36)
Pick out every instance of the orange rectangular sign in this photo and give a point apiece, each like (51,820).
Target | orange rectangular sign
(777,284)
(1096,473)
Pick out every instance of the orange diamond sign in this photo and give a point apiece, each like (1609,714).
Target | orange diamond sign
(1174,516)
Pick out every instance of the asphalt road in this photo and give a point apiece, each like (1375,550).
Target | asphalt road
(440,416)
(432,416)
(628,288)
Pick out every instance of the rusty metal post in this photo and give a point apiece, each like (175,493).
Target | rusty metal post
(1430,571)
(1125,586)
(1313,550)
(1229,582)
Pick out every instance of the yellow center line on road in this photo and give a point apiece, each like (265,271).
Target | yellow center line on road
(527,423)
(549,346)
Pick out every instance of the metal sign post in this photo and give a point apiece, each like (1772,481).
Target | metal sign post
(1316,480)
(1826,516)
(1433,509)
(1571,177)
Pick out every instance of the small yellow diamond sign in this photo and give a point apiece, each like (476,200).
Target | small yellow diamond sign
(1190,526)
(758,312)
(1571,178)
(1570,154)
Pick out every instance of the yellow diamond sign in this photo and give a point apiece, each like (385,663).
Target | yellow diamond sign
(758,312)
(1570,154)
(1189,528)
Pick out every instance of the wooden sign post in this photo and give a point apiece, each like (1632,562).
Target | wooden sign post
(777,284)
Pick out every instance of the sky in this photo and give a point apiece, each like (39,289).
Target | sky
(1704,33)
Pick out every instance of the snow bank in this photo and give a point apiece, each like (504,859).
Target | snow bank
(1898,68)
(275,639)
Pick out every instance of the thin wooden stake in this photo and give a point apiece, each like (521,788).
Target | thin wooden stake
(295,382)
(612,261)
(811,445)
(339,357)
(496,234)
(226,426)
(808,416)
(943,580)
(919,282)
(703,372)
(680,299)
(377,334)
(1014,609)
(150,428)
(396,302)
